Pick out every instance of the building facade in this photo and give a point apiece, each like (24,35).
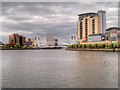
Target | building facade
(51,41)
(29,42)
(112,34)
(14,39)
(102,21)
(96,38)
(17,39)
(91,23)
(22,40)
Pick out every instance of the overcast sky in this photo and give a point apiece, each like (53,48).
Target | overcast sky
(57,19)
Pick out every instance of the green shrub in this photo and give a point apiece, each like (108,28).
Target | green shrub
(83,45)
(80,46)
(17,46)
(118,44)
(69,46)
(102,45)
(93,46)
(72,46)
(75,45)
(89,45)
(96,45)
(106,45)
(111,45)
(5,46)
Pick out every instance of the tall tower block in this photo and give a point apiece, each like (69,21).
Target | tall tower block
(102,20)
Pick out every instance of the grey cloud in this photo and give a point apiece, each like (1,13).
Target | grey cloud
(55,16)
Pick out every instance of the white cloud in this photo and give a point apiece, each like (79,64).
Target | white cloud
(114,9)
(20,6)
(25,32)
(109,22)
(2,33)
(8,21)
(37,17)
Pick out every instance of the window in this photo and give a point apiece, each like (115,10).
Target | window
(93,26)
(86,31)
(80,30)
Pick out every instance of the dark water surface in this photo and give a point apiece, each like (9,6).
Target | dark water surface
(59,69)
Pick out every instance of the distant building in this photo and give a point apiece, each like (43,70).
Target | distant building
(14,39)
(17,39)
(22,40)
(29,42)
(56,42)
(112,34)
(51,41)
(91,23)
(102,21)
(1,44)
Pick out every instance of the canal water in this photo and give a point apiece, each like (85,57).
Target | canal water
(59,69)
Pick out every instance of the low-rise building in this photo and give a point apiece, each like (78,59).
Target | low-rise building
(96,38)
(112,34)
(14,39)
(29,42)
(1,45)
(51,41)
(17,39)
(22,40)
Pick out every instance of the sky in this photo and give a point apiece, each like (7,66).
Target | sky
(58,19)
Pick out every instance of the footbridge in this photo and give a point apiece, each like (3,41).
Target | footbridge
(48,44)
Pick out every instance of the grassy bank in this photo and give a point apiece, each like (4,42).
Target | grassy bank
(15,47)
(95,47)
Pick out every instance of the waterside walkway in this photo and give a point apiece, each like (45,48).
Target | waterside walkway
(78,49)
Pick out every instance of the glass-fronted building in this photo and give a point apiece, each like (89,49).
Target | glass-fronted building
(96,38)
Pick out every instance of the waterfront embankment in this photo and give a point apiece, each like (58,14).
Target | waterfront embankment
(107,50)
(31,48)
(95,47)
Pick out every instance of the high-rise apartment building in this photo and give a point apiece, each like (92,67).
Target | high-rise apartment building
(102,20)
(91,23)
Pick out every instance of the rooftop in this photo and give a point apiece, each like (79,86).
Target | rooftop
(101,11)
(87,14)
(117,28)
(101,34)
